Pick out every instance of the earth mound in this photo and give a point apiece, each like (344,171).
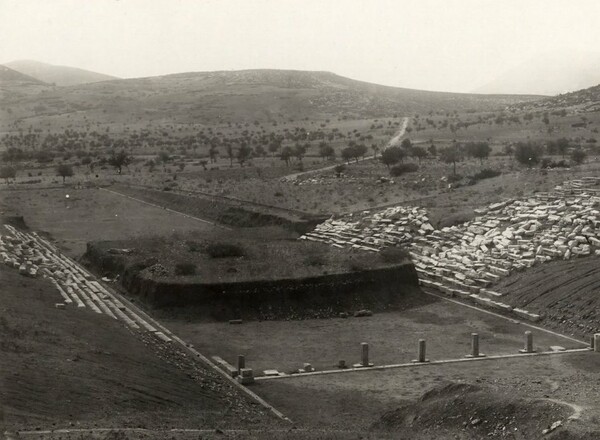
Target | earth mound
(465,411)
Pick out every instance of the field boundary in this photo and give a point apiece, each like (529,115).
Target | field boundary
(228,199)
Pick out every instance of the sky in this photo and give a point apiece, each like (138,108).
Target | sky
(449,45)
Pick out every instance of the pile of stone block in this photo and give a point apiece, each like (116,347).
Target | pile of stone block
(466,260)
(373,232)
(34,256)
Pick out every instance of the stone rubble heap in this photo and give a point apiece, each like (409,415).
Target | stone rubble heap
(393,226)
(35,257)
(466,260)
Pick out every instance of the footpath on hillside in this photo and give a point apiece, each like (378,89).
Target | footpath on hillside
(391,142)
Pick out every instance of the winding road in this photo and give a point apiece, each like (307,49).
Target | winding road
(391,142)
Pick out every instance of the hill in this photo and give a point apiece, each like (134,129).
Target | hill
(11,76)
(549,74)
(249,95)
(16,86)
(57,75)
(580,101)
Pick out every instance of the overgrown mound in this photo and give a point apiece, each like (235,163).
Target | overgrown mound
(464,411)
(266,274)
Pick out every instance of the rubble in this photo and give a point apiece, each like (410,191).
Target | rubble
(505,237)
(35,256)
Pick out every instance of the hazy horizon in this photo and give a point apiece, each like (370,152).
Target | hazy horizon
(431,45)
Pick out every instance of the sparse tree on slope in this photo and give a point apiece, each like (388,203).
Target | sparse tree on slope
(419,153)
(64,170)
(7,173)
(452,154)
(119,160)
(528,153)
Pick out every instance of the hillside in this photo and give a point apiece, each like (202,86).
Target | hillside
(586,100)
(15,86)
(11,76)
(262,95)
(57,75)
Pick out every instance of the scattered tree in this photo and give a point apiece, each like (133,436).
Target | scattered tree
(528,153)
(326,151)
(7,173)
(119,160)
(286,155)
(562,145)
(578,155)
(64,170)
(392,155)
(452,154)
(419,153)
(244,153)
(478,150)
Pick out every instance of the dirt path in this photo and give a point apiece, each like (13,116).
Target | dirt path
(391,142)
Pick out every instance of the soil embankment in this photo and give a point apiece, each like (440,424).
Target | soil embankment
(463,411)
(221,209)
(66,368)
(565,292)
(310,296)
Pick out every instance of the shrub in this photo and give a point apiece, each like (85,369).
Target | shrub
(486,174)
(224,250)
(393,255)
(549,163)
(578,156)
(185,269)
(403,168)
(339,169)
(483,174)
(528,154)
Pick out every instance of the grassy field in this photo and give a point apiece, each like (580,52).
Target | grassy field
(91,215)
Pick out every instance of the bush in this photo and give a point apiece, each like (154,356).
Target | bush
(339,169)
(393,255)
(185,269)
(483,174)
(528,154)
(403,168)
(454,178)
(549,163)
(224,250)
(578,156)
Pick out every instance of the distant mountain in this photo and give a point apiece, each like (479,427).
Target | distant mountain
(10,76)
(17,87)
(57,75)
(549,74)
(248,95)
